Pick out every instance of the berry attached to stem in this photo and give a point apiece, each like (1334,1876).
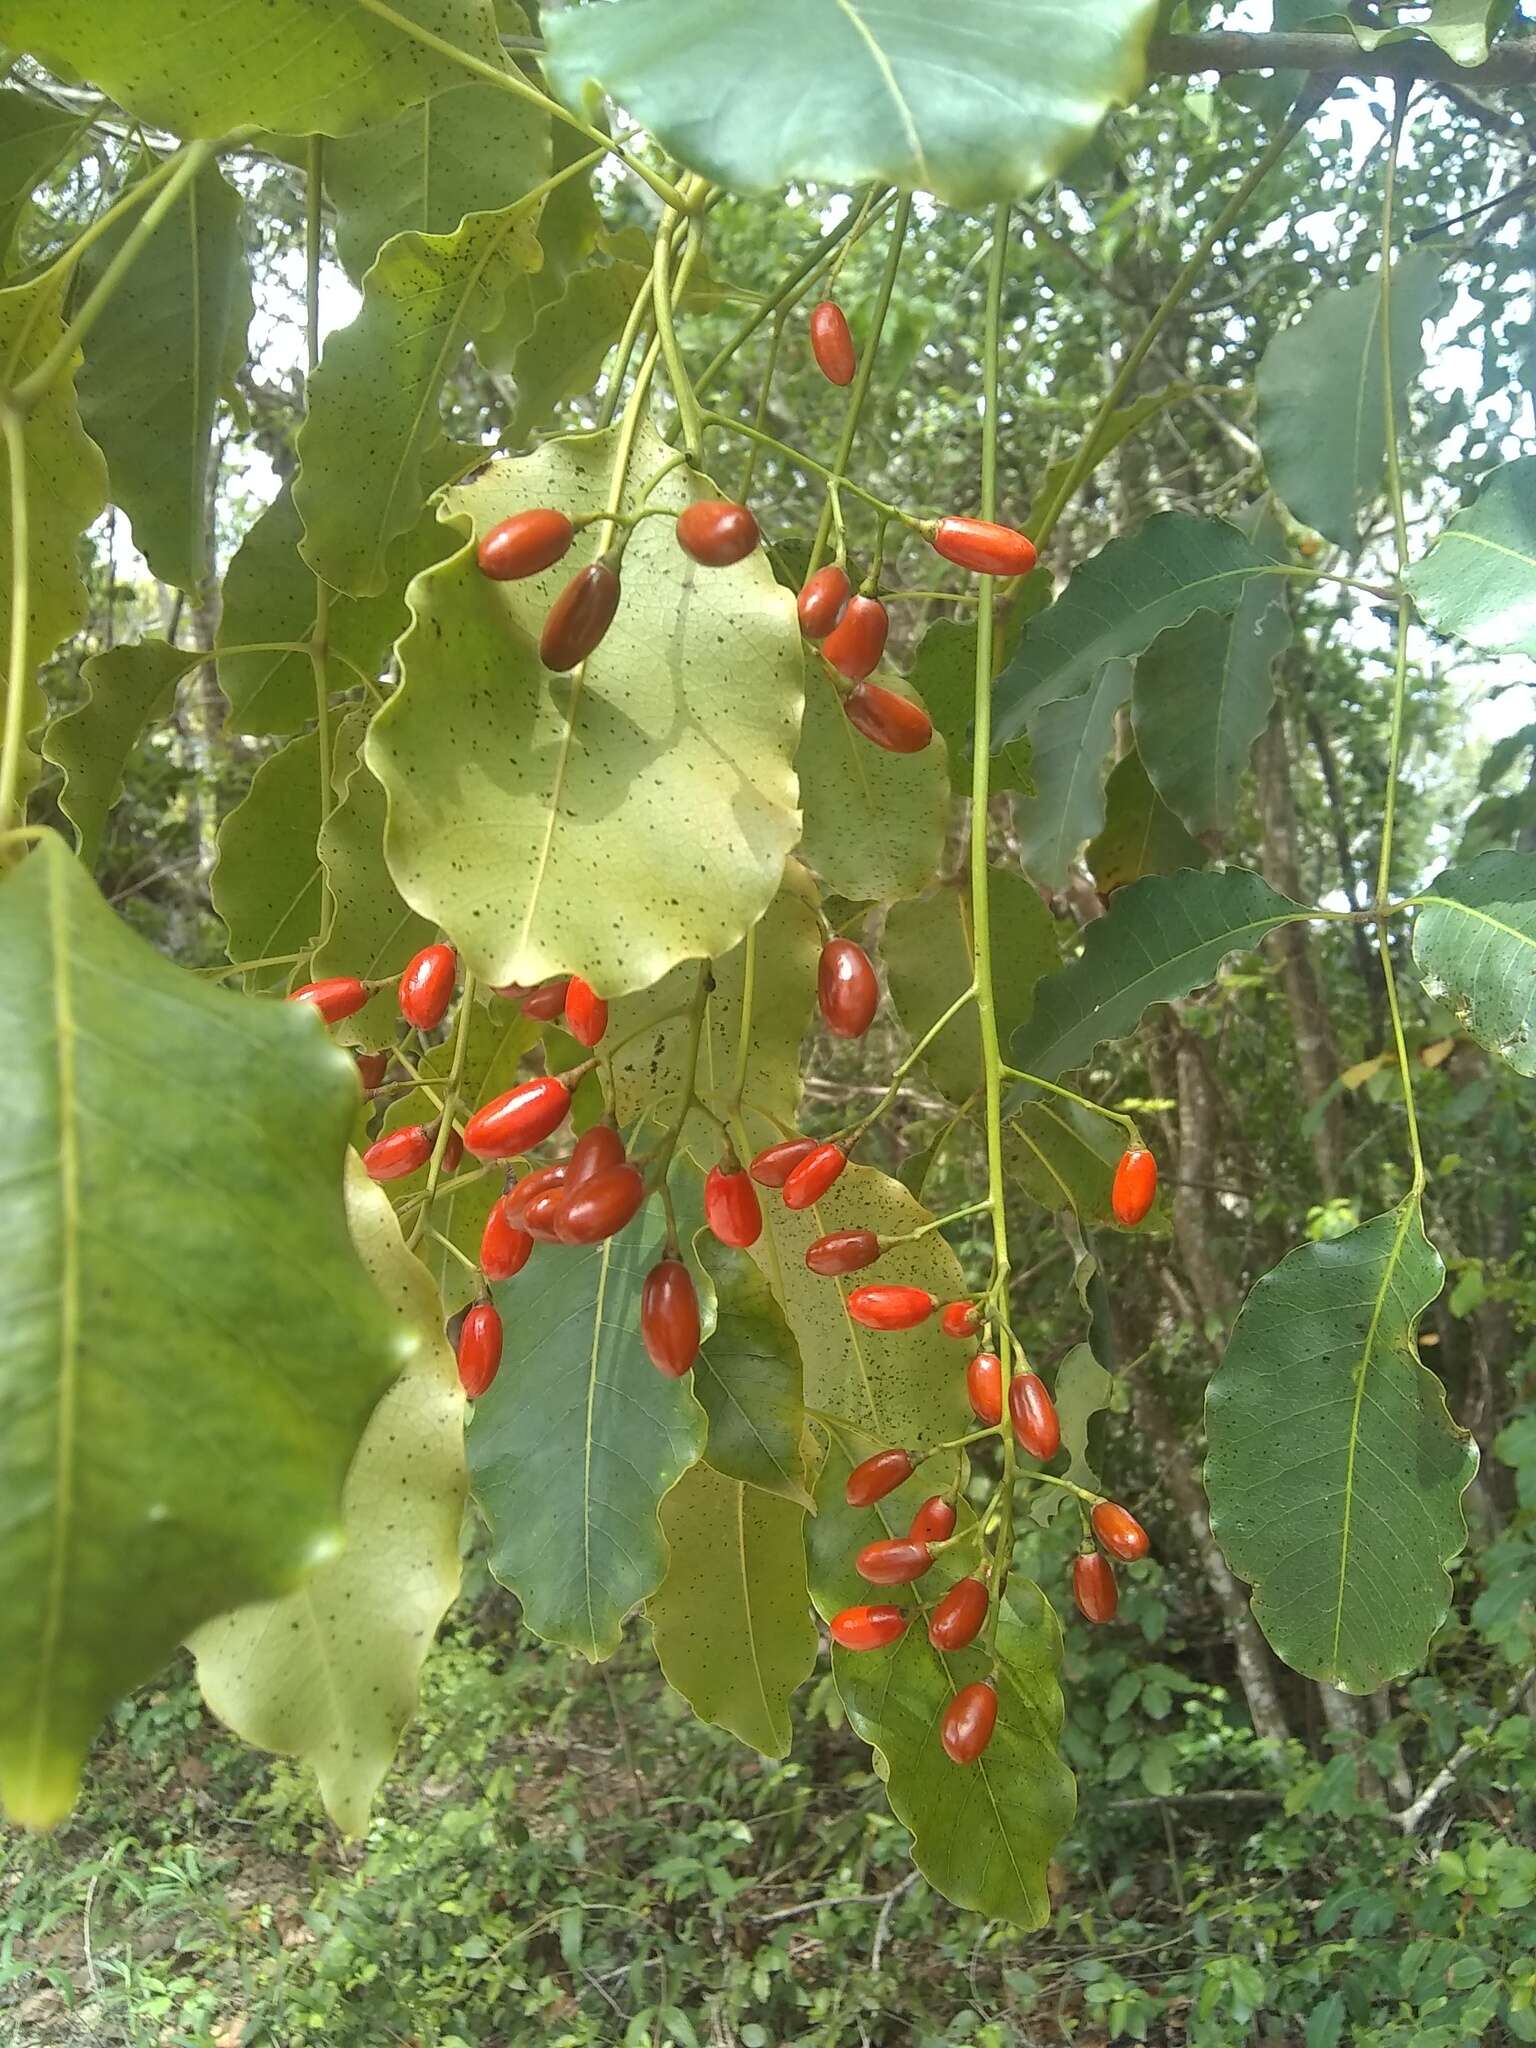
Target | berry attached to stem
(520,1118)
(398,1153)
(808,1181)
(1093,1586)
(716,532)
(847,992)
(960,1319)
(669,1317)
(1034,1416)
(876,1477)
(894,723)
(894,1561)
(890,1308)
(980,544)
(842,1251)
(524,544)
(832,343)
(957,1619)
(775,1163)
(1135,1187)
(340,997)
(479,1351)
(968,1722)
(984,1387)
(579,617)
(857,641)
(821,601)
(731,1207)
(586,1014)
(426,987)
(868,1628)
(1119,1531)
(505,1247)
(934,1521)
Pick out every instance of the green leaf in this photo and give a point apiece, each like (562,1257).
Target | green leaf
(190,1347)
(1141,836)
(579,1440)
(1479,579)
(748,1381)
(330,1673)
(130,688)
(944,677)
(570,338)
(1474,945)
(1159,940)
(1070,742)
(170,340)
(1460,27)
(1335,1472)
(267,884)
(35,136)
(874,822)
(298,66)
(731,1621)
(1082,1390)
(988,105)
(1322,407)
(1064,1157)
(540,819)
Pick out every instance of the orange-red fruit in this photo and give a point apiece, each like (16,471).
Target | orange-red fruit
(847,993)
(883,1307)
(398,1153)
(968,1722)
(989,549)
(832,344)
(821,600)
(717,532)
(586,1014)
(505,1247)
(579,617)
(540,1216)
(426,987)
(371,1068)
(809,1181)
(479,1349)
(934,1521)
(1135,1187)
(342,996)
(855,644)
(524,544)
(876,1477)
(601,1207)
(536,1183)
(520,1118)
(547,1000)
(598,1150)
(894,1561)
(1034,1416)
(775,1163)
(892,722)
(1093,1586)
(731,1207)
(984,1386)
(842,1251)
(1119,1531)
(960,1319)
(957,1619)
(669,1317)
(867,1628)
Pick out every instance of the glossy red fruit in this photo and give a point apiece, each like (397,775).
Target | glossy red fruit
(601,1207)
(398,1153)
(892,722)
(775,1163)
(957,1619)
(599,1149)
(934,1521)
(809,1181)
(536,1183)
(984,1385)
(1034,1416)
(342,996)
(894,1561)
(876,1477)
(518,1119)
(524,544)
(371,1068)
(579,617)
(453,1153)
(883,1307)
(981,545)
(505,1247)
(547,1000)
(847,993)
(832,344)
(586,1014)
(1119,1531)
(479,1349)
(731,1207)
(867,1628)
(821,600)
(1093,1586)
(426,987)
(855,644)
(540,1217)
(716,532)
(842,1251)
(1135,1187)
(960,1319)
(669,1317)
(968,1722)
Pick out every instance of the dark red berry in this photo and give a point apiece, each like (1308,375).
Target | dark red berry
(832,344)
(520,1118)
(426,987)
(892,722)
(775,1163)
(960,1319)
(398,1153)
(505,1247)
(855,644)
(968,1722)
(884,1307)
(579,617)
(547,1000)
(1135,1187)
(371,1068)
(453,1153)
(598,1150)
(479,1349)
(957,1619)
(894,1561)
(716,532)
(669,1317)
(586,1014)
(601,1207)
(809,1180)
(524,544)
(934,1521)
(876,1477)
(984,1386)
(842,1251)
(847,993)
(731,1207)
(821,600)
(867,1628)
(536,1183)
(1119,1531)
(981,545)
(342,996)
(540,1215)
(1093,1586)
(1034,1416)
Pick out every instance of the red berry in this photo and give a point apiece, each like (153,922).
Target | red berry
(371,1068)
(538,1182)
(547,1000)
(1135,1187)
(821,601)
(505,1247)
(398,1153)
(342,996)
(716,532)
(540,1217)
(1119,1531)
(731,1207)
(867,1628)
(968,1722)
(524,544)
(847,993)
(518,1119)
(960,1319)
(579,617)
(957,1619)
(1093,1586)
(601,1207)
(669,1317)
(1034,1416)
(989,549)
(876,1477)
(855,644)
(773,1166)
(842,1251)
(890,1308)
(984,1385)
(894,1561)
(809,1181)
(934,1521)
(832,344)
(892,722)
(479,1349)
(586,1014)
(598,1150)
(453,1153)
(426,987)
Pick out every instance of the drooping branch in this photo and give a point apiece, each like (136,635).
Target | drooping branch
(1509,63)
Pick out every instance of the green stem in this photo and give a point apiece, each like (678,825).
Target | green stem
(248,966)
(744,1034)
(677,370)
(905,1066)
(314,245)
(629,426)
(801,460)
(18,673)
(126,202)
(661,1159)
(764,398)
(450,1095)
(1114,1116)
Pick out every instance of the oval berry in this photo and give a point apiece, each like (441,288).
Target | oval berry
(1034,1416)
(809,1181)
(1135,1187)
(934,1521)
(731,1207)
(957,1619)
(598,1150)
(894,1561)
(479,1349)
(980,544)
(716,532)
(669,1317)
(1119,1531)
(890,1308)
(842,1251)
(540,1217)
(426,987)
(892,722)
(579,617)
(547,1000)
(453,1153)
(505,1247)
(821,600)
(1093,1586)
(847,993)
(867,1628)
(984,1386)
(601,1207)
(876,1477)
(398,1153)
(518,1119)
(371,1069)
(775,1163)
(542,1177)
(342,996)
(524,544)
(855,644)
(586,1014)
(960,1319)
(968,1722)
(832,343)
